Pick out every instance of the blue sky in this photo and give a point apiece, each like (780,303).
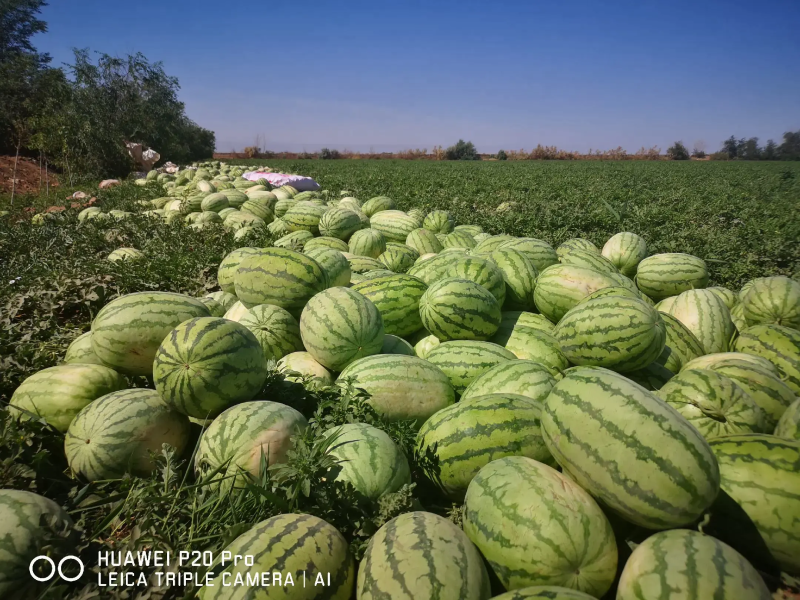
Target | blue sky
(577,74)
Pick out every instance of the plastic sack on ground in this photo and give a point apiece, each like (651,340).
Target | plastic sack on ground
(298,182)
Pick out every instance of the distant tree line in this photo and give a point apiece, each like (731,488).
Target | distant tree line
(79,117)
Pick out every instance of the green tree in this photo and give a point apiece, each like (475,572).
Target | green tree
(462,151)
(790,147)
(501,155)
(678,151)
(770,151)
(749,150)
(730,146)
(18,23)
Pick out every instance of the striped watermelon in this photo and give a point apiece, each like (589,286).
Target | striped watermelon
(395,225)
(367,242)
(299,546)
(356,278)
(300,367)
(537,527)
(511,319)
(779,345)
(127,331)
(681,347)
(330,243)
(711,361)
(773,300)
(283,205)
(435,268)
(689,565)
(339,326)
(425,345)
(590,260)
(540,253)
(243,436)
(126,254)
(59,393)
(227,300)
(80,351)
(459,309)
(259,209)
(281,277)
(235,312)
(215,309)
(653,377)
(560,287)
(458,239)
(333,263)
(762,473)
(278,228)
(117,433)
(377,204)
(27,522)
(533,343)
(624,334)
(663,275)
(645,461)
(707,317)
(205,365)
(542,592)
(519,275)
(439,221)
(463,361)
(421,555)
(229,266)
(483,272)
(362,264)
(304,216)
(401,387)
(424,241)
(396,345)
(461,439)
(469,229)
(418,214)
(490,244)
(576,244)
(239,219)
(713,403)
(296,240)
(277,331)
(516,377)
(727,296)
(397,259)
(235,197)
(789,424)
(625,251)
(737,316)
(397,298)
(369,460)
(615,291)
(339,223)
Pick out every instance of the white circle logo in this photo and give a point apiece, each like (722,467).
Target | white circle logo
(59,568)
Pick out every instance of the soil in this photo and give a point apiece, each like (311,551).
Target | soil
(29,178)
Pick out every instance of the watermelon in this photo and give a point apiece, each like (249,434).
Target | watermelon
(377,204)
(397,297)
(653,377)
(645,460)
(727,296)
(215,309)
(127,331)
(737,316)
(539,252)
(418,214)
(435,268)
(711,361)
(519,275)
(400,387)
(125,254)
(295,240)
(396,345)
(370,461)
(27,522)
(304,216)
(490,244)
(542,592)
(226,299)
(243,436)
(283,205)
(339,326)
(778,344)
(423,346)
(663,275)
(469,229)
(625,251)
(397,260)
(772,300)
(239,219)
(292,547)
(367,242)
(395,225)
(707,317)
(58,394)
(681,345)
(236,312)
(590,260)
(278,228)
(356,278)
(333,263)
(459,309)
(117,434)
(516,377)
(460,439)
(623,334)
(362,264)
(560,287)
(258,209)
(576,244)
(789,424)
(458,239)
(537,527)
(421,555)
(689,565)
(339,223)
(533,343)
(300,367)
(713,403)
(229,266)
(438,221)
(463,361)
(277,331)
(510,319)
(81,351)
(762,473)
(281,277)
(329,243)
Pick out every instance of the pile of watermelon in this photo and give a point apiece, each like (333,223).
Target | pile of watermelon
(552,387)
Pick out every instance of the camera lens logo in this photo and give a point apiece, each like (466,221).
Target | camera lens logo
(56,568)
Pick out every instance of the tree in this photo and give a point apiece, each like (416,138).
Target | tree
(790,148)
(678,152)
(462,151)
(749,149)
(501,155)
(770,151)
(730,146)
(18,23)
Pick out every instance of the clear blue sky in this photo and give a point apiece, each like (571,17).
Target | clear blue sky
(578,74)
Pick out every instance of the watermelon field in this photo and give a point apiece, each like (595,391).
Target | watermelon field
(436,380)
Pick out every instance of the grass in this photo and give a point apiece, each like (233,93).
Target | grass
(743,218)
